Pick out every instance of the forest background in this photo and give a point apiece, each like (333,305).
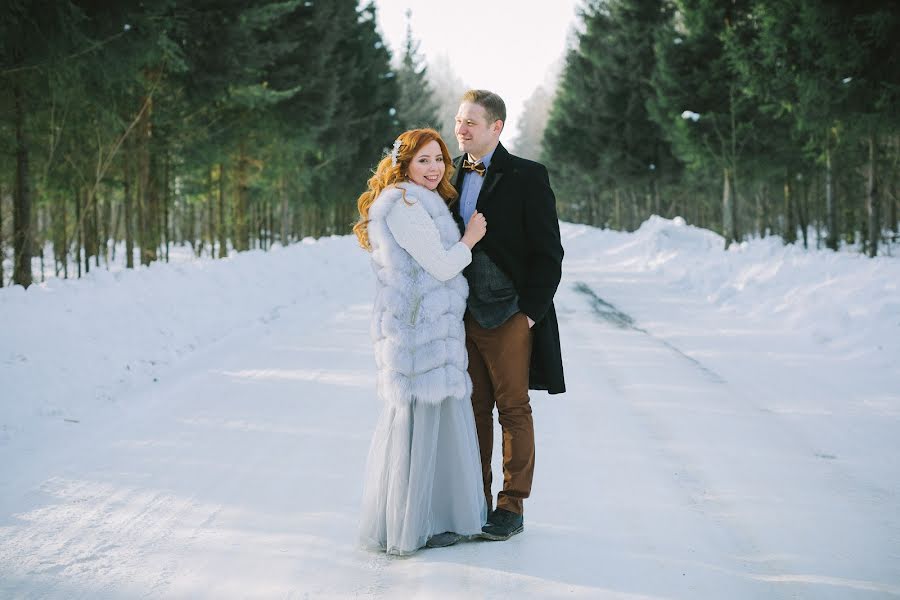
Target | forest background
(224,126)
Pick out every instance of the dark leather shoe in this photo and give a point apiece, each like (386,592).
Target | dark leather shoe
(442,540)
(502,525)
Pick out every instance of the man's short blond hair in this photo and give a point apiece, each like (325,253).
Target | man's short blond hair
(491,102)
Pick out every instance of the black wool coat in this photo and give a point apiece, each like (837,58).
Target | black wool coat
(523,240)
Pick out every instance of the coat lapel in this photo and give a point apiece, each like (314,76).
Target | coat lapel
(457,183)
(458,175)
(494,174)
(491,178)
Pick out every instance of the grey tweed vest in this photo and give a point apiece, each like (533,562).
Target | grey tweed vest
(492,296)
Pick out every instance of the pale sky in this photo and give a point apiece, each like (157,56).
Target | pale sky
(506,46)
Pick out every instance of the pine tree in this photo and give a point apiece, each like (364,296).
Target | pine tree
(699,102)
(532,123)
(535,114)
(830,69)
(600,136)
(448,89)
(416,106)
(36,40)
(573,161)
(214,124)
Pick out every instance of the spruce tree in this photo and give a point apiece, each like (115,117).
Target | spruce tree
(831,69)
(574,162)
(448,89)
(416,105)
(698,99)
(37,39)
(532,124)
(599,126)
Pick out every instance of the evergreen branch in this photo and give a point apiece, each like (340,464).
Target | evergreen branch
(74,55)
(102,168)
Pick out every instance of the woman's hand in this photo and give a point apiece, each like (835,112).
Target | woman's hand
(475,230)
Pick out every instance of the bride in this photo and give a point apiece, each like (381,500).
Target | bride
(423,482)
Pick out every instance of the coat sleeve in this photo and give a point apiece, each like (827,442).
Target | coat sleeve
(415,231)
(545,251)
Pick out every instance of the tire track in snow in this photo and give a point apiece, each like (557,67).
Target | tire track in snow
(805,466)
(613,315)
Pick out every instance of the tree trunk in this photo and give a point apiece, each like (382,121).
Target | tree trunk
(241,238)
(872,201)
(891,195)
(39,243)
(79,231)
(283,206)
(270,223)
(262,215)
(54,238)
(210,214)
(728,224)
(729,195)
(895,224)
(153,220)
(2,249)
(803,212)
(256,240)
(299,216)
(790,226)
(114,229)
(86,229)
(223,237)
(129,217)
(256,229)
(315,220)
(165,206)
(849,216)
(141,204)
(190,226)
(817,210)
(108,225)
(657,201)
(95,226)
(589,209)
(146,215)
(22,232)
(830,206)
(262,210)
(64,236)
(617,211)
(760,211)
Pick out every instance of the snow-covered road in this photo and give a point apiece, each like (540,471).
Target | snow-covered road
(693,456)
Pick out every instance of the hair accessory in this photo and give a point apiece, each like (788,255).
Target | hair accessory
(394,152)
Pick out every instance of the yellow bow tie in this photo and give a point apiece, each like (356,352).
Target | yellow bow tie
(477,167)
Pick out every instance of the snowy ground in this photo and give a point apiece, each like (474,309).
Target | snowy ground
(199,430)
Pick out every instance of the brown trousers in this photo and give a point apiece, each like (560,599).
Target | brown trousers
(498,365)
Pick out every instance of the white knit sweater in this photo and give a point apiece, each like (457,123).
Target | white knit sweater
(421,295)
(415,231)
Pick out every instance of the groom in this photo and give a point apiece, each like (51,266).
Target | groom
(512,336)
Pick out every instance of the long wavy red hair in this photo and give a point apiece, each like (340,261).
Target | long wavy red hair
(386,175)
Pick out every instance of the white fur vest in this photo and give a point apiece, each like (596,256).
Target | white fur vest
(417,320)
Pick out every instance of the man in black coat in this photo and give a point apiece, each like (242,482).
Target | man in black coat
(512,336)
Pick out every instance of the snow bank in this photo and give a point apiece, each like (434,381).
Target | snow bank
(69,345)
(837,299)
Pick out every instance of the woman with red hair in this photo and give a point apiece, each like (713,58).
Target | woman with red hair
(423,476)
